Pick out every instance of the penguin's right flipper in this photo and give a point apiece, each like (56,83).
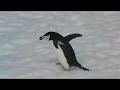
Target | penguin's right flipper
(72,36)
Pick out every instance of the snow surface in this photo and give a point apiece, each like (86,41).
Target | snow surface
(23,55)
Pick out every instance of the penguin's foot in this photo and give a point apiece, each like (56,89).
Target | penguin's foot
(57,63)
(66,69)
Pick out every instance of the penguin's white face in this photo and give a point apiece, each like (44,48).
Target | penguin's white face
(47,37)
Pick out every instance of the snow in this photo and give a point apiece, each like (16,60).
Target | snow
(23,55)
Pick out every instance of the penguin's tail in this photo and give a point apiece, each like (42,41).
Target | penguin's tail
(81,67)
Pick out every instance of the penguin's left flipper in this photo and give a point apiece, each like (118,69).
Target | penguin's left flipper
(55,44)
(72,36)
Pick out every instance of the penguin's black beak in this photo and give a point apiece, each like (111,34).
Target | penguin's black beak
(42,37)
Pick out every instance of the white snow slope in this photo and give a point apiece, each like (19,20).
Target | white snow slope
(23,55)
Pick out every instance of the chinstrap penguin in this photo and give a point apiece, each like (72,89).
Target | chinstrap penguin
(63,49)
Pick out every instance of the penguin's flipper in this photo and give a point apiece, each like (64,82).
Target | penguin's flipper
(55,44)
(72,36)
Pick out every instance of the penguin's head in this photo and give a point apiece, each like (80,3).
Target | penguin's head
(51,36)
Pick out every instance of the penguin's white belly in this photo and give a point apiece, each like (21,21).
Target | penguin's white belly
(60,55)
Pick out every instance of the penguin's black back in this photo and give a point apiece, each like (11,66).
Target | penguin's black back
(69,53)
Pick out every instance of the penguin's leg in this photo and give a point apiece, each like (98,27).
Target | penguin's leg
(80,66)
(65,69)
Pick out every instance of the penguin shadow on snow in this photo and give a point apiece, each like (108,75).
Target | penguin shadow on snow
(63,50)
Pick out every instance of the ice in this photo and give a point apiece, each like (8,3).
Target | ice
(23,55)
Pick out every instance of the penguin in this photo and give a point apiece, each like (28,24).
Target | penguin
(63,49)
